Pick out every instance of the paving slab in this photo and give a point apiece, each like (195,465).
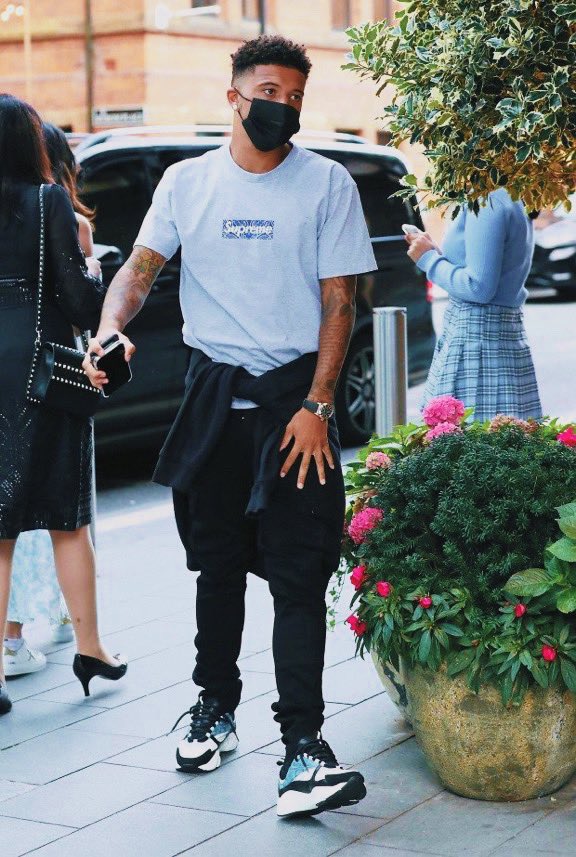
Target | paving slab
(87,796)
(145,830)
(351,681)
(397,781)
(55,675)
(145,675)
(454,826)
(11,788)
(554,834)
(270,836)
(356,732)
(31,717)
(59,753)
(139,641)
(20,837)
(222,791)
(362,850)
(148,717)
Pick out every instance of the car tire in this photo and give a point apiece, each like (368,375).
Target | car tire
(355,408)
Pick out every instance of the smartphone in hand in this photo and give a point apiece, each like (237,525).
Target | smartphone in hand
(114,363)
(409,229)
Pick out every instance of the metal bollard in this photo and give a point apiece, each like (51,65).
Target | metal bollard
(390,367)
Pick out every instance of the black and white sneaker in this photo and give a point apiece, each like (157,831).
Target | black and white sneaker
(312,781)
(211,733)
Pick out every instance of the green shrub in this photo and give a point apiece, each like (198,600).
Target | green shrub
(489,90)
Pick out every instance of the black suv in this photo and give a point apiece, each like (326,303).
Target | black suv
(119,171)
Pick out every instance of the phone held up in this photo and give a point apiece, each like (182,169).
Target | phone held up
(113,362)
(409,229)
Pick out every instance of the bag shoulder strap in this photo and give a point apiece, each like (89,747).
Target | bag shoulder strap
(40,266)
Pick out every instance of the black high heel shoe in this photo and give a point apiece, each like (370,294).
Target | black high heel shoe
(85,668)
(5,701)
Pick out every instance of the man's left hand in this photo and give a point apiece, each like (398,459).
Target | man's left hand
(310,436)
(420,244)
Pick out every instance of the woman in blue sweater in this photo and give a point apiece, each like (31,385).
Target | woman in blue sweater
(482,356)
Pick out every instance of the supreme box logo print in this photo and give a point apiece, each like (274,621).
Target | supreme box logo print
(249,229)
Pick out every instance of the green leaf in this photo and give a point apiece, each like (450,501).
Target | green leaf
(568,510)
(424,647)
(568,526)
(523,153)
(564,549)
(410,180)
(566,601)
(539,673)
(568,671)
(531,582)
(506,688)
(526,658)
(453,630)
(460,661)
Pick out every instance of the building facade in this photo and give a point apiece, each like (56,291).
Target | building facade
(100,63)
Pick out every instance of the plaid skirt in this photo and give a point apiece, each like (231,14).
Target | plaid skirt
(483,359)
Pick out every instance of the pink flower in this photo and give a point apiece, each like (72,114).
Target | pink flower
(440,429)
(357,625)
(443,409)
(502,420)
(378,459)
(363,522)
(549,653)
(568,437)
(520,610)
(425,602)
(383,588)
(358,576)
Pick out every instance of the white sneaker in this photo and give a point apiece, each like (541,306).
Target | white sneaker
(211,733)
(24,661)
(62,631)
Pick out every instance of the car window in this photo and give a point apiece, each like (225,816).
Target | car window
(377,178)
(120,193)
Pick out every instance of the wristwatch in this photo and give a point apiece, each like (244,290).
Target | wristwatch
(324,410)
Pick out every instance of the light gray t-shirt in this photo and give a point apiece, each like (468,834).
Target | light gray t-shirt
(254,248)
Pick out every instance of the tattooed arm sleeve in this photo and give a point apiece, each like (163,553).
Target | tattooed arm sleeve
(130,288)
(338,314)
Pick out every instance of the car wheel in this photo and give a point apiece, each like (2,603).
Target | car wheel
(355,406)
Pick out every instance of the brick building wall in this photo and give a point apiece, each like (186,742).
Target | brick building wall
(180,74)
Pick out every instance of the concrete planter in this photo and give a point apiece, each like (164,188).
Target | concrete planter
(480,749)
(394,685)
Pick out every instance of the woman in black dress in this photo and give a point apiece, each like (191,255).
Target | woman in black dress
(45,455)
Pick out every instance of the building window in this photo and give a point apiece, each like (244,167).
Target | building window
(341,14)
(251,10)
(384,10)
(197,4)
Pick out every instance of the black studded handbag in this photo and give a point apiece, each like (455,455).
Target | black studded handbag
(56,378)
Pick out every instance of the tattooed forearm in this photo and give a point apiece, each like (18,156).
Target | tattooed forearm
(130,288)
(338,314)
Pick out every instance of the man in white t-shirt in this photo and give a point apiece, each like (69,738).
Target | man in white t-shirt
(272,237)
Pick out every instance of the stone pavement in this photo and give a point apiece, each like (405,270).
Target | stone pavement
(80,778)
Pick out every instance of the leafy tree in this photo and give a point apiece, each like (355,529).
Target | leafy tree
(489,90)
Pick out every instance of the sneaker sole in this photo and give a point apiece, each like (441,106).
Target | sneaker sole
(210,760)
(351,793)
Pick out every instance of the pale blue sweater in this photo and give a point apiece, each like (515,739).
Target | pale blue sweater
(485,258)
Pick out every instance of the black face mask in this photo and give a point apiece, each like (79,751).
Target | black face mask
(270,124)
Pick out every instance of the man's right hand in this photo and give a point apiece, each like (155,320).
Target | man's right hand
(98,378)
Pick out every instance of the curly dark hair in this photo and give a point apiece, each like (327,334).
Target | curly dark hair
(270,50)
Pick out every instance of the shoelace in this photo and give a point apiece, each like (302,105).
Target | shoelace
(320,751)
(204,715)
